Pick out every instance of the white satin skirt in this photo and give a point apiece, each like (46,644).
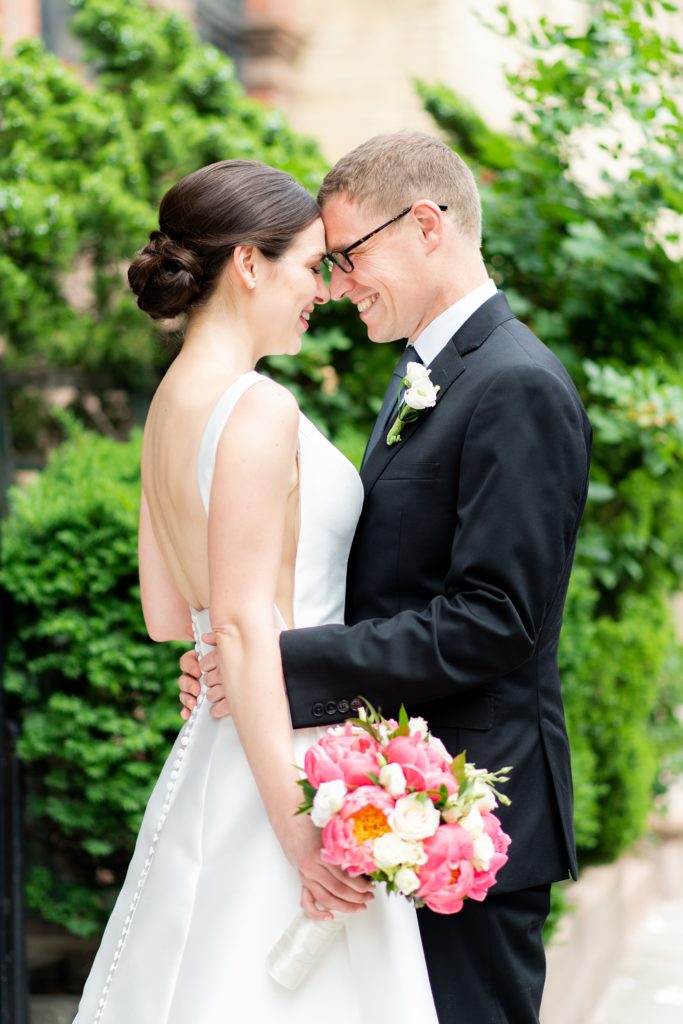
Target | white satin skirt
(209,892)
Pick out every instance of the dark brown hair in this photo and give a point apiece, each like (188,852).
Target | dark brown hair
(203,218)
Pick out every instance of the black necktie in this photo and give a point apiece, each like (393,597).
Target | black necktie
(389,410)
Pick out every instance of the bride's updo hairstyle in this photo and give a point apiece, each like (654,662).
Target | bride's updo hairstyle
(203,218)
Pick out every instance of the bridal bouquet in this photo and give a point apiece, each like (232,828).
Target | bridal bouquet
(394,805)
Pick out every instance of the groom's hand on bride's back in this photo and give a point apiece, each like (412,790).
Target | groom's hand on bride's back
(191,667)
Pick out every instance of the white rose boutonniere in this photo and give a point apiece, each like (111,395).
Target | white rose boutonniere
(420,394)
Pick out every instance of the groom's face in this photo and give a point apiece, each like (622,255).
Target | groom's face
(383,282)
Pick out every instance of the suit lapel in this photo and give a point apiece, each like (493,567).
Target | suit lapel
(445,369)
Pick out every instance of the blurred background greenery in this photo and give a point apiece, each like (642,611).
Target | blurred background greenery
(590,260)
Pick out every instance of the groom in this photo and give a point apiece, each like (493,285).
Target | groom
(460,563)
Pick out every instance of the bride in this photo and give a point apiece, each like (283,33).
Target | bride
(246,520)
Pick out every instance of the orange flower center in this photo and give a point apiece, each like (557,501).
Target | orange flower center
(455,875)
(369,823)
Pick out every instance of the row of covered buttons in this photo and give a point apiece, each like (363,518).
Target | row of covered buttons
(336,707)
(184,736)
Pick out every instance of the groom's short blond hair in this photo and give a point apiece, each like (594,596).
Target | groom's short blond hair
(389,172)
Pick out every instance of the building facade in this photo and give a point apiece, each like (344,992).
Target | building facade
(344,72)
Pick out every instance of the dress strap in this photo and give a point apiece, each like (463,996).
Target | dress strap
(208,446)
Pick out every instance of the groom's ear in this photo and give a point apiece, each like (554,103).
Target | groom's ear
(245,261)
(429,220)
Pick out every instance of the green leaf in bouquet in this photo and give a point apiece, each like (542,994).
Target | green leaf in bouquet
(458,767)
(309,793)
(403,723)
(362,723)
(369,724)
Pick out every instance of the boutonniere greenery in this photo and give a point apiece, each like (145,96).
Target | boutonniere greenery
(420,394)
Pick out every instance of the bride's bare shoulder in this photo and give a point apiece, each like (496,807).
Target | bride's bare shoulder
(268,400)
(267,413)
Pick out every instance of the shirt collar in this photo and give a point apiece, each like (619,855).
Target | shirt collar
(439,332)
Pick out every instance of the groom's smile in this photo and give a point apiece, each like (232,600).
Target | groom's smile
(363,305)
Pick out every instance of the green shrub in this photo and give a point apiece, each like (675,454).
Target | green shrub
(83,165)
(613,679)
(98,698)
(628,658)
(589,268)
(576,651)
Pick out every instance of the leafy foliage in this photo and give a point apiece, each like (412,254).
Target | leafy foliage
(83,165)
(99,698)
(591,260)
(583,252)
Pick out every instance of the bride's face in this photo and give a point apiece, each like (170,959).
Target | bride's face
(292,286)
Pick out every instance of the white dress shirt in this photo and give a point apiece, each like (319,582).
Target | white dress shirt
(439,332)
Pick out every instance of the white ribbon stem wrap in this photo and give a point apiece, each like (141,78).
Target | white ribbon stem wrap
(300,947)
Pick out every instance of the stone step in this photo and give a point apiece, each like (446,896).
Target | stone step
(609,905)
(52,1009)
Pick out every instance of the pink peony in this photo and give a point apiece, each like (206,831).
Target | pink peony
(423,765)
(348,837)
(320,767)
(447,876)
(349,754)
(483,880)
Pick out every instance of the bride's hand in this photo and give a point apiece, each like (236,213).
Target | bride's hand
(324,887)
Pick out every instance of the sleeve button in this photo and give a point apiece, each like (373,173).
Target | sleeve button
(356,704)
(318,710)
(343,706)
(331,707)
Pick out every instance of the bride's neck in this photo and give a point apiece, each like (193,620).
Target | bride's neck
(222,338)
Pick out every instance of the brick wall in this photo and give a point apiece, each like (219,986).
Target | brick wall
(18,20)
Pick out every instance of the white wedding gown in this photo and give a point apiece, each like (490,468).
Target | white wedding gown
(209,891)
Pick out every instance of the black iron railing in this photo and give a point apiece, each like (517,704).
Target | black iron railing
(13,977)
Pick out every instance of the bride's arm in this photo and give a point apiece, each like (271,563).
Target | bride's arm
(166,613)
(254,475)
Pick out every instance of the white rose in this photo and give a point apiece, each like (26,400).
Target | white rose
(393,779)
(473,823)
(436,744)
(414,818)
(407,881)
(484,798)
(482,851)
(418,726)
(452,812)
(389,851)
(327,801)
(421,394)
(416,372)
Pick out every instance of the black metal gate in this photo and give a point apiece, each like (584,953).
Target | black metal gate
(13,980)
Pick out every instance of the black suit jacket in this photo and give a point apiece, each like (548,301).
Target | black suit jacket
(457,580)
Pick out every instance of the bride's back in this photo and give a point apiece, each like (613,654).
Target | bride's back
(177,417)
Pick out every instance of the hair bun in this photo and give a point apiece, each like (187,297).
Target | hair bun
(165,276)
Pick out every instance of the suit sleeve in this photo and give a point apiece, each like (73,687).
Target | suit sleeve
(521,491)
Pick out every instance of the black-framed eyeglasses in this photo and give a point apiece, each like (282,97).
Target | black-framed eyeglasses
(340,257)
